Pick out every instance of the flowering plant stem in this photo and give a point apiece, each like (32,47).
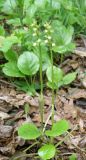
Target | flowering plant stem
(53,95)
(41,99)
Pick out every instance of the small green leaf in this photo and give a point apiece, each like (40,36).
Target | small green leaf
(28,63)
(58,128)
(55,86)
(57,74)
(70,77)
(28,131)
(11,69)
(73,157)
(47,151)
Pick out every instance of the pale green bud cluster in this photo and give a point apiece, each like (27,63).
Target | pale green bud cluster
(47,34)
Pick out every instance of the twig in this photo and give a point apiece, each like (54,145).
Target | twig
(25,155)
(47,121)
(30,146)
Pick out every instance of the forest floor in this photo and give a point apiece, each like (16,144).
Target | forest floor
(70,104)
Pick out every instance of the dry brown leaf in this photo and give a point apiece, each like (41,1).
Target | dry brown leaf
(4,115)
(80,51)
(76,93)
(5,131)
(69,109)
(73,141)
(3,157)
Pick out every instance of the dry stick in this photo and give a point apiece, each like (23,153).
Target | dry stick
(5,82)
(47,121)
(30,146)
(25,155)
(64,154)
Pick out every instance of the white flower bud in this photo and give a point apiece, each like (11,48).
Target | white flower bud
(25,28)
(48,26)
(53,44)
(34,44)
(35,29)
(46,41)
(49,37)
(39,40)
(34,34)
(46,31)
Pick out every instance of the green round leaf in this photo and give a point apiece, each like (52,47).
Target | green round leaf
(28,131)
(58,128)
(57,74)
(28,63)
(8,42)
(69,78)
(47,151)
(10,55)
(56,4)
(9,6)
(11,69)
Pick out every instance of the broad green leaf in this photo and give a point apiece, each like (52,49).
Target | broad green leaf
(28,131)
(56,4)
(64,48)
(67,34)
(9,6)
(28,63)
(40,3)
(26,5)
(73,157)
(47,151)
(8,42)
(31,11)
(70,77)
(68,4)
(57,74)
(14,22)
(46,62)
(58,128)
(62,35)
(11,69)
(10,55)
